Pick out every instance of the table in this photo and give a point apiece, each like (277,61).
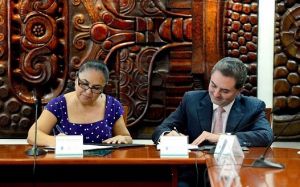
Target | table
(136,166)
(140,166)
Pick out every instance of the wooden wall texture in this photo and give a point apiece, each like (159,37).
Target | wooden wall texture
(155,49)
(287,69)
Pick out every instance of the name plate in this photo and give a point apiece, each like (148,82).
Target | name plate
(69,146)
(228,145)
(174,146)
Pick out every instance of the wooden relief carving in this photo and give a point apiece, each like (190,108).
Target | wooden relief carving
(9,106)
(286,68)
(241,27)
(33,64)
(14,116)
(37,61)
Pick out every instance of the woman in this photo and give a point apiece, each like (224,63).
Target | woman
(86,111)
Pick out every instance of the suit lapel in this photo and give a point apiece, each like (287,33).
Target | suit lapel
(235,116)
(204,111)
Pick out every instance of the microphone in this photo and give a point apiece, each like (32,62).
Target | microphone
(261,162)
(35,151)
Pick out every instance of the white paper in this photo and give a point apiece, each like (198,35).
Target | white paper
(95,147)
(189,146)
(84,147)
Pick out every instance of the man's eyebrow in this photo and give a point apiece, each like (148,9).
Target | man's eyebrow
(223,89)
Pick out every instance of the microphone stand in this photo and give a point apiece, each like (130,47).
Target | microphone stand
(35,151)
(261,162)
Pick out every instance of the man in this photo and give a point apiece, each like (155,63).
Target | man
(204,115)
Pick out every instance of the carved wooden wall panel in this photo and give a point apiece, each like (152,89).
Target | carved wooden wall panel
(156,50)
(135,38)
(240,28)
(287,69)
(33,56)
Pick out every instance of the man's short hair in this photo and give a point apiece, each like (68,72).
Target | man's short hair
(232,67)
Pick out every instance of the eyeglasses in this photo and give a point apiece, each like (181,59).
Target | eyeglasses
(85,86)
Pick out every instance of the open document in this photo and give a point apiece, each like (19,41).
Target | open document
(86,147)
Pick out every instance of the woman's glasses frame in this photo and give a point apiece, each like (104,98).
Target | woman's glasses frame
(85,86)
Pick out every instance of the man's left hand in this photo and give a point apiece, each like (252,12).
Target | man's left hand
(213,138)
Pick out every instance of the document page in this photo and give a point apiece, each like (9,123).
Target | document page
(86,147)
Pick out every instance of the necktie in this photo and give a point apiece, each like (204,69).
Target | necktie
(218,128)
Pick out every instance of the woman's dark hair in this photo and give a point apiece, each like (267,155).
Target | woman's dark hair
(95,65)
(232,67)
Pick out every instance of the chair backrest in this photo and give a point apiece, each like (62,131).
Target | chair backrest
(125,107)
(268,112)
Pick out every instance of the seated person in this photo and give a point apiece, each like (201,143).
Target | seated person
(86,111)
(197,114)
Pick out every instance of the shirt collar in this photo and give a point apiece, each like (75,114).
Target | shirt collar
(227,108)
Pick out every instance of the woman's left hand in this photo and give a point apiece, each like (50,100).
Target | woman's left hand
(119,139)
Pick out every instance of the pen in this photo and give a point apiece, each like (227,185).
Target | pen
(59,129)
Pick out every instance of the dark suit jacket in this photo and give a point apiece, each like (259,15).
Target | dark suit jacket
(247,119)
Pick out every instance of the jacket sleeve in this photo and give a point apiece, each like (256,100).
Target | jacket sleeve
(175,119)
(258,134)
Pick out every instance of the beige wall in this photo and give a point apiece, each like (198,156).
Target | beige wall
(266,51)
